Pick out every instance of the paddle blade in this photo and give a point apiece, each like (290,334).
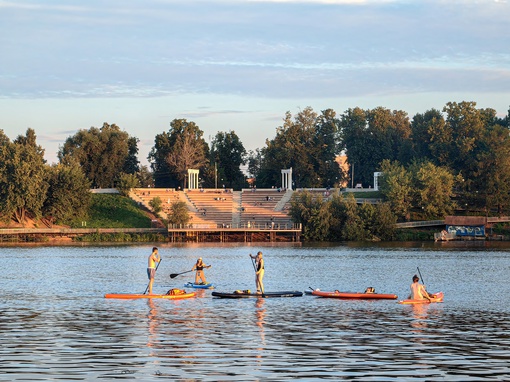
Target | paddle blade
(174,275)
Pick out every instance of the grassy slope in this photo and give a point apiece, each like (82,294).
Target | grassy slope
(115,211)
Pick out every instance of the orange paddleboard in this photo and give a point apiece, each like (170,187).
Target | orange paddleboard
(439,298)
(130,296)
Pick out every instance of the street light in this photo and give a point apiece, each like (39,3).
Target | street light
(215,176)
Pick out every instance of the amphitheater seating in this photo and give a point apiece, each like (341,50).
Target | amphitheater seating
(221,208)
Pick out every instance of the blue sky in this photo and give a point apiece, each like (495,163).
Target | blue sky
(240,65)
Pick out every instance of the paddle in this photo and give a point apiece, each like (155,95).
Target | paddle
(174,275)
(423,282)
(157,266)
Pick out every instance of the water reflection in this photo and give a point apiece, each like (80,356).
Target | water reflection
(48,333)
(260,315)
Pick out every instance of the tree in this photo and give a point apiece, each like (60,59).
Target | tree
(433,189)
(23,182)
(68,196)
(132,164)
(229,154)
(127,182)
(493,172)
(313,213)
(383,223)
(254,160)
(371,136)
(396,186)
(430,137)
(145,178)
(354,227)
(306,143)
(178,214)
(176,151)
(156,204)
(102,153)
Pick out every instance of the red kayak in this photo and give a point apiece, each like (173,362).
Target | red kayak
(439,298)
(355,295)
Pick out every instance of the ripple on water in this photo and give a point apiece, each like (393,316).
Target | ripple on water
(79,335)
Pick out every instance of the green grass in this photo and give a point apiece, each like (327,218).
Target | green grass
(365,194)
(114,211)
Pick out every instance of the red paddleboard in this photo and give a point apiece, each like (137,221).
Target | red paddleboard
(355,295)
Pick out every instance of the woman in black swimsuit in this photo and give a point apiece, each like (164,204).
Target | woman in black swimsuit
(199,267)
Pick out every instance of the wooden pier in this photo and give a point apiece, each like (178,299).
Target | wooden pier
(197,234)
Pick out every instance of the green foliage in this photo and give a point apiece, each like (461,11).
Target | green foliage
(114,211)
(68,196)
(341,218)
(121,238)
(433,189)
(145,178)
(308,145)
(102,153)
(126,182)
(181,148)
(156,204)
(370,136)
(313,213)
(395,184)
(354,227)
(179,213)
(229,154)
(23,177)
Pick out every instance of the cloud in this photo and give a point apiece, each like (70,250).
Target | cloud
(257,48)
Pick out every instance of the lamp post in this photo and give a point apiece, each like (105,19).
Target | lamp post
(215,176)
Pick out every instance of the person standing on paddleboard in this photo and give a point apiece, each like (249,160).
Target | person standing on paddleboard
(151,268)
(259,271)
(418,291)
(199,267)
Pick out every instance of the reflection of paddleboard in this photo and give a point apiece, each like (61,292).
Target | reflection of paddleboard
(247,294)
(355,295)
(130,296)
(199,286)
(439,298)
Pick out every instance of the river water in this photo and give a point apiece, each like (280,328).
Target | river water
(55,323)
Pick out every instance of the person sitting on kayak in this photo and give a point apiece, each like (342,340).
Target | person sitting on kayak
(418,291)
(199,276)
(151,268)
(259,272)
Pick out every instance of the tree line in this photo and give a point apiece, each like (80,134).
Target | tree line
(434,163)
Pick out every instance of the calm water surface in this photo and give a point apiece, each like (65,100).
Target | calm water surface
(55,323)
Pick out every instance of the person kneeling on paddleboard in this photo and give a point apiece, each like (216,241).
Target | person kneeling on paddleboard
(199,276)
(418,291)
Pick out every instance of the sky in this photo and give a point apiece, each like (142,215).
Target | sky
(240,65)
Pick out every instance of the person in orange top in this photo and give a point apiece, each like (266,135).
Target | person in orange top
(151,268)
